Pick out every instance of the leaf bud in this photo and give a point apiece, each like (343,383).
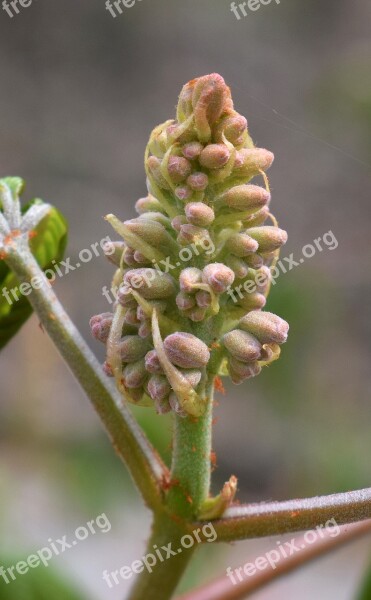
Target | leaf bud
(158,387)
(241,244)
(247,198)
(218,276)
(179,168)
(135,374)
(152,362)
(240,371)
(150,283)
(268,237)
(242,345)
(199,214)
(214,156)
(100,326)
(265,326)
(198,181)
(192,150)
(133,348)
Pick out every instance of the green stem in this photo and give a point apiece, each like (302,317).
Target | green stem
(162,581)
(191,467)
(127,438)
(189,488)
(276,518)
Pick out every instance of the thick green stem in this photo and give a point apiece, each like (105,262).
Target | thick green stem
(191,467)
(189,488)
(165,575)
(127,438)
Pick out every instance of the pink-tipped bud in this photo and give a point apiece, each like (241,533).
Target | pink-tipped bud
(175,405)
(188,278)
(192,150)
(162,406)
(198,181)
(135,375)
(240,371)
(148,204)
(149,230)
(203,299)
(186,350)
(218,276)
(211,98)
(238,266)
(152,362)
(268,237)
(100,326)
(199,214)
(234,129)
(215,156)
(193,376)
(185,301)
(265,326)
(241,244)
(190,234)
(158,387)
(179,168)
(140,258)
(183,192)
(150,283)
(178,221)
(249,162)
(133,348)
(196,314)
(247,198)
(107,369)
(145,329)
(131,317)
(242,345)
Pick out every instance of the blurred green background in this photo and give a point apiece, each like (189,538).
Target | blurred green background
(80,94)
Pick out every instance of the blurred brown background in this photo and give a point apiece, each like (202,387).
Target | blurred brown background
(80,93)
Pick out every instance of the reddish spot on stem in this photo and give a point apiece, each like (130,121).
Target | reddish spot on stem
(218,385)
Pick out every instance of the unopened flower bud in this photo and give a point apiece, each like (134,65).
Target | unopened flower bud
(198,181)
(179,168)
(178,221)
(150,283)
(240,371)
(176,406)
(140,258)
(148,204)
(259,218)
(193,376)
(188,278)
(215,156)
(199,214)
(218,276)
(131,316)
(152,362)
(211,97)
(203,299)
(185,301)
(113,251)
(254,261)
(100,326)
(135,374)
(186,350)
(265,326)
(158,387)
(247,198)
(128,256)
(190,234)
(154,168)
(252,301)
(238,266)
(251,161)
(241,244)
(233,127)
(242,345)
(133,348)
(162,406)
(183,192)
(159,305)
(151,231)
(269,237)
(145,329)
(107,369)
(192,150)
(125,298)
(196,314)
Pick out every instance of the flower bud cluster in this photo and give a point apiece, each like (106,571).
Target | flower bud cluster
(179,319)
